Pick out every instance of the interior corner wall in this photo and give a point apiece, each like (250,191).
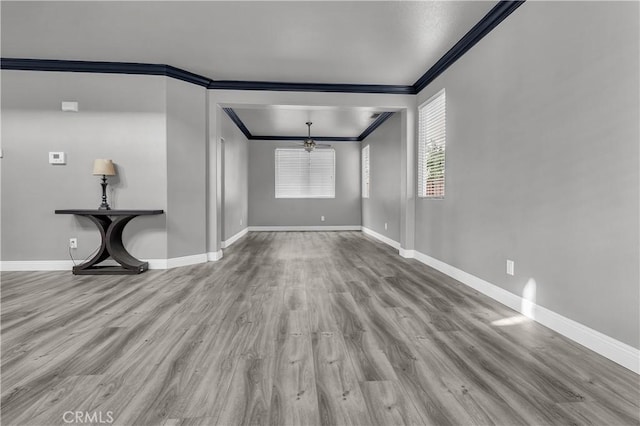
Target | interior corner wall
(266,210)
(186,169)
(235,192)
(383,204)
(121,117)
(542,162)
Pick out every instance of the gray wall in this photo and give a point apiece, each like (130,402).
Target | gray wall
(383,204)
(542,162)
(121,117)
(186,162)
(235,195)
(266,210)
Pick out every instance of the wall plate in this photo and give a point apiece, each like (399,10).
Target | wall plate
(69,106)
(57,158)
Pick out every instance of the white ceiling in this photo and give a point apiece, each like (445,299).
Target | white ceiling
(356,42)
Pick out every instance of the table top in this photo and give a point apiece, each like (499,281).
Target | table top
(115,212)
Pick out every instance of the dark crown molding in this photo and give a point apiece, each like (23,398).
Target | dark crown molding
(496,15)
(310,87)
(234,117)
(102,67)
(491,20)
(383,117)
(238,122)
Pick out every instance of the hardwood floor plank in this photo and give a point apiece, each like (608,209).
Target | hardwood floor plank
(340,400)
(292,328)
(294,399)
(387,404)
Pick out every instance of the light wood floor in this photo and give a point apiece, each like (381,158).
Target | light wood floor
(292,329)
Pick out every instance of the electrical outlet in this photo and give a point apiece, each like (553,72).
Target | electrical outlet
(73,243)
(322,218)
(385,226)
(510,267)
(240,221)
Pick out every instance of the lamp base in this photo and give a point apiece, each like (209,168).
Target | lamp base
(104,205)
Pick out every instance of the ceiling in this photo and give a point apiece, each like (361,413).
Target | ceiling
(352,42)
(290,121)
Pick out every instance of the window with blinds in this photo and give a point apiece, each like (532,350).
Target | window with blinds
(365,172)
(302,174)
(431,146)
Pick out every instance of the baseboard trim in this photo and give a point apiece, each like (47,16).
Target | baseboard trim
(305,228)
(214,256)
(227,243)
(377,236)
(618,352)
(407,254)
(36,265)
(67,265)
(186,260)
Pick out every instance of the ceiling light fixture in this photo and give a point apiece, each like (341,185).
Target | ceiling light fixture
(309,144)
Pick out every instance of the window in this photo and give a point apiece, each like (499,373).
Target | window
(365,172)
(431,147)
(302,174)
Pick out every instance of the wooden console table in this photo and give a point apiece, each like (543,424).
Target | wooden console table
(111,242)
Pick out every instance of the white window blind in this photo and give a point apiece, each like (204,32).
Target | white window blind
(302,174)
(365,172)
(431,147)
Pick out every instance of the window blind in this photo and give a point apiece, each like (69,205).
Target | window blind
(365,172)
(431,147)
(302,174)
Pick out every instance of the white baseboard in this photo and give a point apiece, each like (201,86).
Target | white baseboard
(228,242)
(619,352)
(377,236)
(67,265)
(36,265)
(154,263)
(214,256)
(407,254)
(186,260)
(306,228)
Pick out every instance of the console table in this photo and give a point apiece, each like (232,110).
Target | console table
(111,242)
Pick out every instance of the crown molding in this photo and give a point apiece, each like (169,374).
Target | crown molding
(102,67)
(234,117)
(310,87)
(491,20)
(301,138)
(243,128)
(496,15)
(27,64)
(383,117)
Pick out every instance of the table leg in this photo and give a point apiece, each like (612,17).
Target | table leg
(111,245)
(103,223)
(116,248)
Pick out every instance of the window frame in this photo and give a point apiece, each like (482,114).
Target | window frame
(305,192)
(423,157)
(366,178)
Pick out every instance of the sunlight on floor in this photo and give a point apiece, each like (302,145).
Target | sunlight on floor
(504,322)
(527,307)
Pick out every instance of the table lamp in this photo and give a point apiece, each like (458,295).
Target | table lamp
(105,168)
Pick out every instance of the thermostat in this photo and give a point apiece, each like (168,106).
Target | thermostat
(57,158)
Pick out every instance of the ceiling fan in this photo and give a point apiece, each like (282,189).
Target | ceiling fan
(309,144)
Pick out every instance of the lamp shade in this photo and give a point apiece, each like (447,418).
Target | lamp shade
(103,167)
